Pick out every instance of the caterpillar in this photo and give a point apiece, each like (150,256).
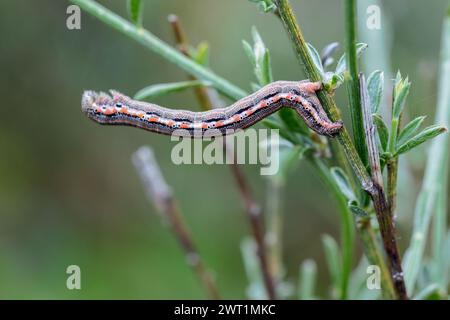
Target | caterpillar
(119,109)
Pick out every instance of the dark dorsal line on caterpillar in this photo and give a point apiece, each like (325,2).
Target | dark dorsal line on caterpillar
(119,109)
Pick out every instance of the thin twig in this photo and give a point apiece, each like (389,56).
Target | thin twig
(383,213)
(353,83)
(392,172)
(160,194)
(207,98)
(381,208)
(201,92)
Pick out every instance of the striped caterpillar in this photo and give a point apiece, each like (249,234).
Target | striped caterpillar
(119,109)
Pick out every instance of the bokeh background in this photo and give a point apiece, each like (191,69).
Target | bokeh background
(68,191)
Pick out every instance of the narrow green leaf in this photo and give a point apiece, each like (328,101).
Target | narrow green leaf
(332,256)
(375,84)
(343,182)
(266,68)
(135,11)
(307,280)
(259,48)
(409,130)
(359,212)
(260,58)
(202,54)
(427,134)
(249,52)
(397,81)
(326,55)
(382,130)
(341,66)
(316,58)
(161,89)
(401,90)
(256,289)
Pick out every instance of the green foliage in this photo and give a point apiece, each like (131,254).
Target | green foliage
(135,11)
(327,54)
(430,292)
(255,289)
(332,256)
(343,182)
(331,79)
(401,90)
(201,54)
(307,280)
(409,130)
(317,60)
(341,67)
(423,136)
(382,130)
(259,56)
(265,5)
(375,83)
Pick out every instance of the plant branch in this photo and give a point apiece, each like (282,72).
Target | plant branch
(201,92)
(392,172)
(386,226)
(159,47)
(385,218)
(160,194)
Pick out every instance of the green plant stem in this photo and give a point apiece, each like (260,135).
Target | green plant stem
(347,233)
(159,47)
(392,173)
(379,200)
(393,135)
(353,82)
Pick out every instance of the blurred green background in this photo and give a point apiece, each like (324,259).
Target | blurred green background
(68,191)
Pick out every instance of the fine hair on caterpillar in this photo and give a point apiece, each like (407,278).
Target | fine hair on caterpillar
(118,109)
